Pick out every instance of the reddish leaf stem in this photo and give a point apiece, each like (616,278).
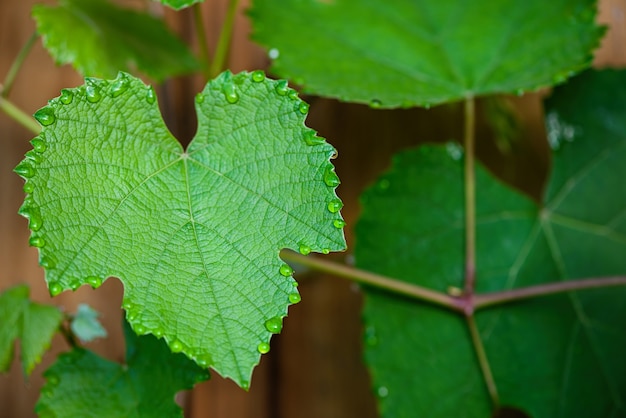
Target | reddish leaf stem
(483,362)
(487,300)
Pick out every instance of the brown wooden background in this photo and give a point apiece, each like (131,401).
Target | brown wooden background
(314,368)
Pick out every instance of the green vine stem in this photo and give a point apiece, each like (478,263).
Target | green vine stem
(202,42)
(483,362)
(376,280)
(19,116)
(470,198)
(223,43)
(17,64)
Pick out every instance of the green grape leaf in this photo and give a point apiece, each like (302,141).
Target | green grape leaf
(179,4)
(420,52)
(82,384)
(34,324)
(194,235)
(85,324)
(99,39)
(556,356)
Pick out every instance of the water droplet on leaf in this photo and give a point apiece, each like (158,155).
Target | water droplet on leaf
(75,285)
(339,223)
(274,325)
(286,270)
(157,332)
(150,95)
(304,249)
(295,297)
(34,156)
(140,329)
(37,242)
(282,88)
(55,288)
(263,348)
(92,92)
(176,346)
(119,85)
(376,104)
(382,392)
(335,205)
(47,263)
(311,138)
(330,177)
(199,98)
(258,76)
(325,250)
(67,96)
(39,145)
(230,92)
(35,222)
(29,187)
(94,281)
(45,116)
(25,170)
(303,108)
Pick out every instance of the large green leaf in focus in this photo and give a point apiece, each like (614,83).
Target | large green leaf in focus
(82,384)
(422,52)
(194,235)
(556,356)
(34,324)
(99,39)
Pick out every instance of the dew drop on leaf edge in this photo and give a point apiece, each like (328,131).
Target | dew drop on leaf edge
(230,93)
(119,86)
(285,270)
(335,205)
(274,325)
(55,288)
(92,93)
(24,169)
(39,145)
(263,348)
(47,263)
(330,177)
(258,76)
(339,223)
(45,116)
(94,281)
(67,96)
(295,297)
(150,95)
(37,242)
(29,187)
(304,249)
(176,346)
(281,87)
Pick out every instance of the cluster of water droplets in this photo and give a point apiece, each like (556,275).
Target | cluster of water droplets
(559,131)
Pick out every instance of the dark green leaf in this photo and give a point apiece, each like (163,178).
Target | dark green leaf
(100,39)
(83,384)
(421,52)
(557,356)
(194,235)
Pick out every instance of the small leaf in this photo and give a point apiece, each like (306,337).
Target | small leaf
(85,324)
(179,4)
(194,235)
(99,39)
(557,356)
(422,52)
(81,383)
(32,323)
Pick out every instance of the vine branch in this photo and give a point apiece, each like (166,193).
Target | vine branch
(17,64)
(19,116)
(470,197)
(201,36)
(223,43)
(376,280)
(483,362)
